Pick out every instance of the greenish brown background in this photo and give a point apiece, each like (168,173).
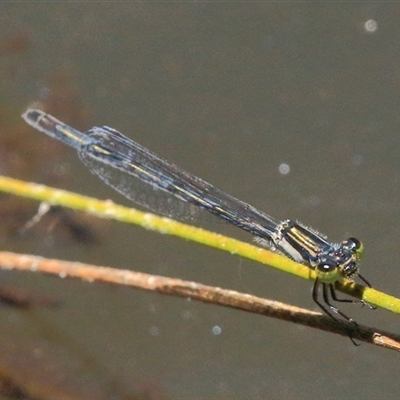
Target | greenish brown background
(228,91)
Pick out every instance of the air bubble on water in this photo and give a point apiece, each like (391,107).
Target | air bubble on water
(284,169)
(216,330)
(370,26)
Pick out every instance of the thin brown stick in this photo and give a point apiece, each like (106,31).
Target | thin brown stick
(197,291)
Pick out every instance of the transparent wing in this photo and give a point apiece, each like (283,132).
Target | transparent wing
(133,170)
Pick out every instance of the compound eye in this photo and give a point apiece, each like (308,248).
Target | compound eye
(328,272)
(358,247)
(326,267)
(354,243)
(355,246)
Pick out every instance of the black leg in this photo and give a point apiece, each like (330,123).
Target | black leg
(317,302)
(364,280)
(332,309)
(334,297)
(369,285)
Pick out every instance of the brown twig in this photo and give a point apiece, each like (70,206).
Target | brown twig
(197,291)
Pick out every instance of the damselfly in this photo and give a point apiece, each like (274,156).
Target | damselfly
(117,159)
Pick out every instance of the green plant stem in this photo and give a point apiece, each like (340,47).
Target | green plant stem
(107,209)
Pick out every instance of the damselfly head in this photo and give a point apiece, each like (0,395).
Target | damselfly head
(349,253)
